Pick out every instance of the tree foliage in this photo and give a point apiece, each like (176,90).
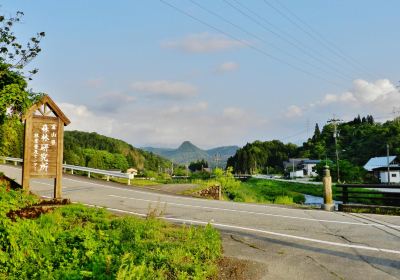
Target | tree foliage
(15,98)
(258,156)
(98,151)
(358,141)
(198,165)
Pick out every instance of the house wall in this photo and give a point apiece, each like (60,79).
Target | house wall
(394,176)
(297,174)
(308,169)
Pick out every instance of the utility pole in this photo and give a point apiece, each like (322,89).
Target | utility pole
(396,113)
(335,123)
(217,158)
(294,176)
(388,162)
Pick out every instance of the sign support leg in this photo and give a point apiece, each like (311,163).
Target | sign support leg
(60,144)
(27,156)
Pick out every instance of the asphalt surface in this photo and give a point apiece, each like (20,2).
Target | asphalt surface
(286,243)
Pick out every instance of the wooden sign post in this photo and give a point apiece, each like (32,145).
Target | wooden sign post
(44,143)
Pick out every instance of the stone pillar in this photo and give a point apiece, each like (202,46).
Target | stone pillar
(327,181)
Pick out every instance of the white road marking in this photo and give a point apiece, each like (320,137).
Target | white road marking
(183,198)
(256,213)
(226,226)
(220,202)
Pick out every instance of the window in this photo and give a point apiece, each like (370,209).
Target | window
(394,175)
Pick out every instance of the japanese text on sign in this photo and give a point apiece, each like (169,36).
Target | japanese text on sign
(44,147)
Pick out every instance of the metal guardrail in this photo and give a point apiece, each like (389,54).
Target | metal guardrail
(88,170)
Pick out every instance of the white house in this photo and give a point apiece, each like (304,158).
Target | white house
(379,167)
(301,167)
(309,165)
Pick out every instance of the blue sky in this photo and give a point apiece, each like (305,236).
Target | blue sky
(143,72)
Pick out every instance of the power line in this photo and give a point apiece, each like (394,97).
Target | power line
(294,135)
(319,37)
(262,39)
(249,45)
(286,37)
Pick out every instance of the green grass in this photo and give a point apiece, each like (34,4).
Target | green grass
(273,188)
(252,191)
(137,182)
(272,191)
(77,242)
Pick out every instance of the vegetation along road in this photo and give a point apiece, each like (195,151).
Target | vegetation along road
(285,243)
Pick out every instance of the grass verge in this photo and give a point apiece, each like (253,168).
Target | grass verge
(77,242)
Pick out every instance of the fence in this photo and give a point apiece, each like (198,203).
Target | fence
(88,170)
(370,194)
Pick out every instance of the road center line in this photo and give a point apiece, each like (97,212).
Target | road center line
(255,213)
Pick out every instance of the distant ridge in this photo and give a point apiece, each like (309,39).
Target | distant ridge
(188,152)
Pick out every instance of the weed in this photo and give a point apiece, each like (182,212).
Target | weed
(77,242)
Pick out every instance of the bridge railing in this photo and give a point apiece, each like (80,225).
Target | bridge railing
(381,194)
(108,174)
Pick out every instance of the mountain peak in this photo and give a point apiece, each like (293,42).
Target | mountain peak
(188,146)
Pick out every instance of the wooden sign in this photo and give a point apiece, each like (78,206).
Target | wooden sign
(43,144)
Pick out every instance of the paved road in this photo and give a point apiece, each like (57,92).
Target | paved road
(287,243)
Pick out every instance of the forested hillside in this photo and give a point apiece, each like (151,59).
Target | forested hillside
(85,149)
(98,151)
(358,141)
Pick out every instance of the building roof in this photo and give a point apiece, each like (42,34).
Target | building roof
(377,162)
(392,167)
(311,161)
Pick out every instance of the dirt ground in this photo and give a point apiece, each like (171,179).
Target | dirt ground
(232,268)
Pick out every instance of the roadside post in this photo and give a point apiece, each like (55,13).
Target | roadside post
(327,182)
(43,143)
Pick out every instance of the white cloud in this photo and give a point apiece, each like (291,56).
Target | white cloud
(233,113)
(293,111)
(166,88)
(84,119)
(227,67)
(198,107)
(367,97)
(203,43)
(117,97)
(170,126)
(113,101)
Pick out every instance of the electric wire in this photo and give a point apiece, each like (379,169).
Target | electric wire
(262,39)
(313,33)
(286,37)
(256,49)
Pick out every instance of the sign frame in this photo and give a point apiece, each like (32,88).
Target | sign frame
(40,112)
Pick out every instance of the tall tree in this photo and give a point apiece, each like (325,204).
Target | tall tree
(15,98)
(317,132)
(14,57)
